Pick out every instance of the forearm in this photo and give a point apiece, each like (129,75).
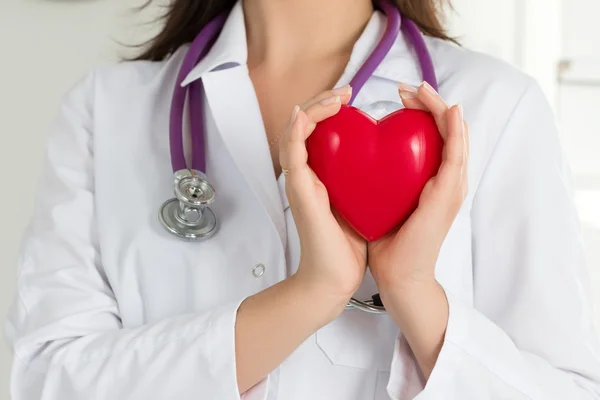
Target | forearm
(421,313)
(273,323)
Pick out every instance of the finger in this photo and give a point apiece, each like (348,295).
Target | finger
(285,138)
(341,221)
(293,154)
(292,151)
(453,160)
(465,142)
(408,95)
(467,139)
(346,228)
(293,158)
(320,111)
(467,152)
(435,105)
(345,93)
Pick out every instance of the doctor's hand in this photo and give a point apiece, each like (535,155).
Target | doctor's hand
(403,262)
(333,256)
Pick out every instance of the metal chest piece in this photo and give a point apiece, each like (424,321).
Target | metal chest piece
(188,215)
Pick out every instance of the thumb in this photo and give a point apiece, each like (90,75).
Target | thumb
(409,96)
(293,160)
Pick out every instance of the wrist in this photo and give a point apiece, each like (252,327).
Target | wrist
(422,314)
(319,296)
(405,289)
(409,303)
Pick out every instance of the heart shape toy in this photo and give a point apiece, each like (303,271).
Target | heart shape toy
(375,171)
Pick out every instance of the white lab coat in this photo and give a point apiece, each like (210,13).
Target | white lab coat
(111,306)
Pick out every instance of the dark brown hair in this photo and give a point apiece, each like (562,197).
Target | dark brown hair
(184,19)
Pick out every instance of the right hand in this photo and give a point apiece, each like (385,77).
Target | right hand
(333,256)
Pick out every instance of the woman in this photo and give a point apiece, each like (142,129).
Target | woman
(484,284)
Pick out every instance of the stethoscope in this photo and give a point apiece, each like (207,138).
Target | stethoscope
(188,215)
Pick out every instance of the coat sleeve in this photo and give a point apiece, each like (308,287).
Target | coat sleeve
(529,334)
(64,326)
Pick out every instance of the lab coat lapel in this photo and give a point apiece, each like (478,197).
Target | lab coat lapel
(234,107)
(232,101)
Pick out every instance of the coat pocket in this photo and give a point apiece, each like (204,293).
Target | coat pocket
(357,339)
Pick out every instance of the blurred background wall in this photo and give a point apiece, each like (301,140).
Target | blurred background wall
(47,45)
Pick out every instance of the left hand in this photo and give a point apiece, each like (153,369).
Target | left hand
(403,262)
(406,258)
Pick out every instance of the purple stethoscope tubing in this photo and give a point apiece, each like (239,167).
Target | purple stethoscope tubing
(198,50)
(206,38)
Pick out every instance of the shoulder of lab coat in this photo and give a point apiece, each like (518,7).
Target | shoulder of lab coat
(64,326)
(528,332)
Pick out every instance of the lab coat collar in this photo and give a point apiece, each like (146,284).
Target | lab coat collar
(230,49)
(365,45)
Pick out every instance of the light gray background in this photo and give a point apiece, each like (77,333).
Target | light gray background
(47,45)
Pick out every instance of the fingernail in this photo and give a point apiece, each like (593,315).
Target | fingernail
(341,91)
(405,87)
(460,110)
(407,91)
(330,100)
(428,87)
(295,112)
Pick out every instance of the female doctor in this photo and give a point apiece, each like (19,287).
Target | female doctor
(484,285)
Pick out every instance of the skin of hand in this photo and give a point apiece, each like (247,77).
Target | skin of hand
(333,256)
(403,262)
(271,324)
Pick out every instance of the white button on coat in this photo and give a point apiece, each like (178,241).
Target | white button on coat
(111,306)
(258,270)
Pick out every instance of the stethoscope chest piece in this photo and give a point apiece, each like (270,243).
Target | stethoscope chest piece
(188,215)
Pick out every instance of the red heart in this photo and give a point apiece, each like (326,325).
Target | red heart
(375,171)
